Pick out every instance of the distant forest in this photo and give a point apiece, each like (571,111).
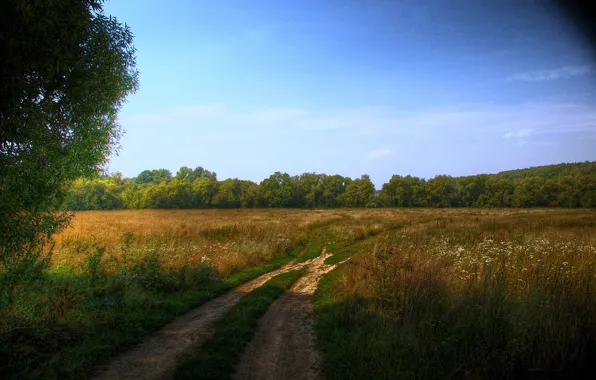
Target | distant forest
(562,185)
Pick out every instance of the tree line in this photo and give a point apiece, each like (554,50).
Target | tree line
(564,185)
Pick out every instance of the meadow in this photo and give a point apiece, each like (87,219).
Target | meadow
(115,276)
(477,294)
(427,293)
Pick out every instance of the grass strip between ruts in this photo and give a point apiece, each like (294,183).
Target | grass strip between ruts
(218,356)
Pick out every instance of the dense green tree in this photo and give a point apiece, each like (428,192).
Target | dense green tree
(441,191)
(314,187)
(228,194)
(180,194)
(154,176)
(93,195)
(204,190)
(470,189)
(551,171)
(358,193)
(550,192)
(192,174)
(499,193)
(277,190)
(402,192)
(333,187)
(156,195)
(528,192)
(65,71)
(587,184)
(570,194)
(250,195)
(146,176)
(312,190)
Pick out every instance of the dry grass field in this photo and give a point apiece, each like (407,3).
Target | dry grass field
(473,294)
(229,239)
(426,293)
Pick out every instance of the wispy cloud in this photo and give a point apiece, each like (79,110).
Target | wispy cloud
(348,141)
(380,153)
(521,133)
(482,124)
(507,121)
(553,74)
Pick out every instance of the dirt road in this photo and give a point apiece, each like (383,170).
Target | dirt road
(157,356)
(284,346)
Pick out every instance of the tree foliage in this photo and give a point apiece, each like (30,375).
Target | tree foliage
(66,69)
(312,190)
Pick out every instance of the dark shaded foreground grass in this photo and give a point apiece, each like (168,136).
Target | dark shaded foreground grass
(219,355)
(509,297)
(474,341)
(112,314)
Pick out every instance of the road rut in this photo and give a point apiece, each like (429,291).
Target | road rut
(284,346)
(157,356)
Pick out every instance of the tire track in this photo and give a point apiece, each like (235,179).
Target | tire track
(284,346)
(157,356)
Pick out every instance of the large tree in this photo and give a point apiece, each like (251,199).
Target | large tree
(358,192)
(65,71)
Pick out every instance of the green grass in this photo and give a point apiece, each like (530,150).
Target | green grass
(111,318)
(343,253)
(314,247)
(219,355)
(346,250)
(254,272)
(312,250)
(90,318)
(358,343)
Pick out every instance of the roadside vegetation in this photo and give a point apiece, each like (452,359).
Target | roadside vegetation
(114,277)
(468,294)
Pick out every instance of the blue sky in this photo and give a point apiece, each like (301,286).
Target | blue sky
(420,87)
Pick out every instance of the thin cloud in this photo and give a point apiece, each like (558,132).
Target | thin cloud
(546,143)
(520,133)
(525,121)
(263,140)
(524,133)
(565,72)
(380,153)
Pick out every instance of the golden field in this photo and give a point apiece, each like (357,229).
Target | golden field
(426,293)
(231,239)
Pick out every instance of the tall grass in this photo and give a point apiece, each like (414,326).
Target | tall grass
(116,276)
(428,294)
(230,239)
(499,294)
